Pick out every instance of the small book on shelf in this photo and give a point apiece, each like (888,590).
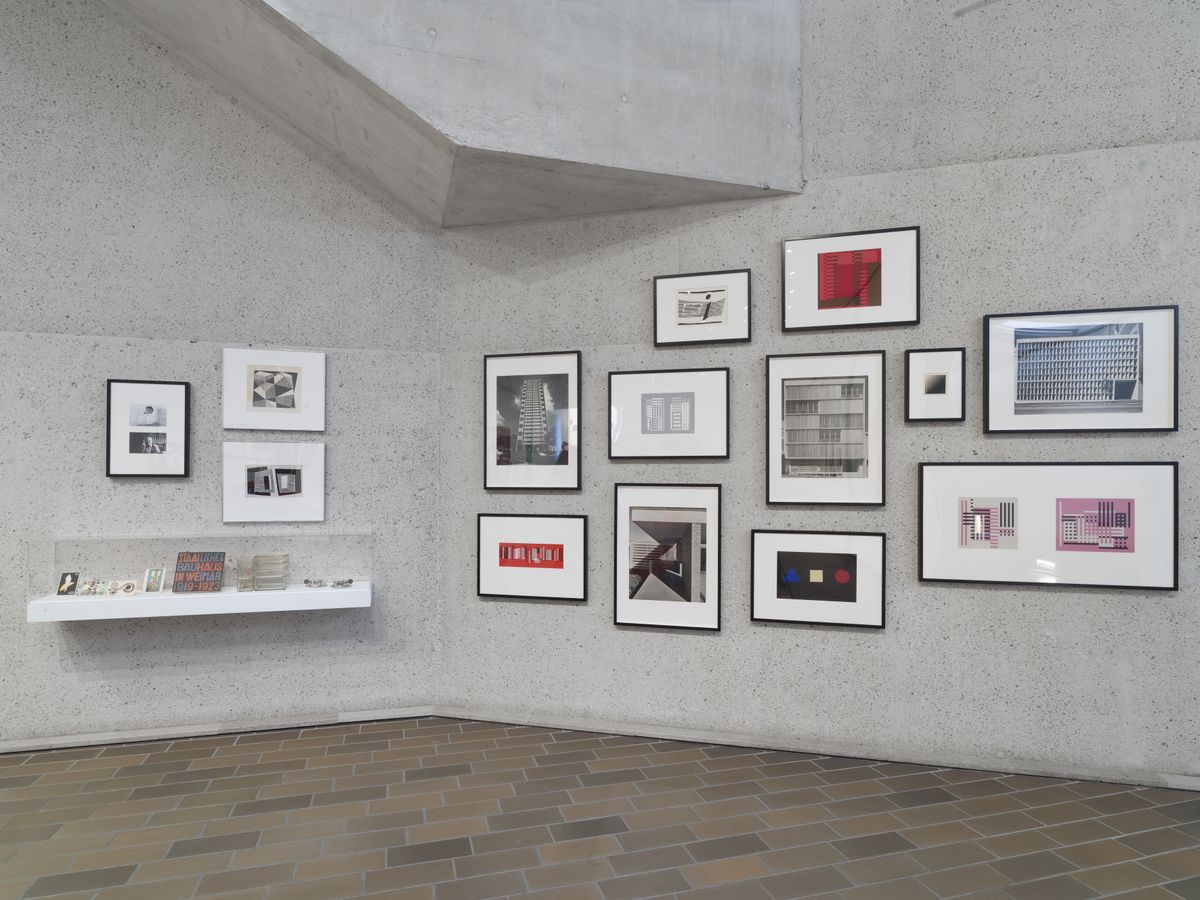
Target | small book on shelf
(199,572)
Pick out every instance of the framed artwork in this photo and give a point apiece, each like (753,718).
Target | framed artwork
(274,482)
(852,279)
(817,577)
(669,414)
(1112,525)
(825,424)
(935,385)
(148,428)
(702,308)
(667,561)
(1091,370)
(532,557)
(273,390)
(531,421)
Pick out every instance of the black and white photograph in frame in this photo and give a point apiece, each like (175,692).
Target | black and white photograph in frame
(825,428)
(702,308)
(1089,370)
(531,421)
(669,414)
(523,557)
(667,559)
(1084,524)
(273,390)
(273,482)
(817,577)
(852,279)
(935,385)
(148,428)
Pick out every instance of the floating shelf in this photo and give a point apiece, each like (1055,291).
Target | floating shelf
(52,608)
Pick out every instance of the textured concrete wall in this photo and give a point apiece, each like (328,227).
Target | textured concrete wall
(147,221)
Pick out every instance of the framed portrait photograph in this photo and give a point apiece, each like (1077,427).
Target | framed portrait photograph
(274,482)
(669,414)
(852,279)
(273,390)
(531,421)
(148,428)
(702,308)
(935,385)
(817,577)
(667,561)
(532,557)
(1091,370)
(825,424)
(1083,524)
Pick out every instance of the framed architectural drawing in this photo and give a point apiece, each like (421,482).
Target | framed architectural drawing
(667,563)
(531,421)
(702,308)
(825,424)
(934,385)
(817,577)
(148,428)
(852,279)
(1091,370)
(274,482)
(273,390)
(532,557)
(669,414)
(1111,525)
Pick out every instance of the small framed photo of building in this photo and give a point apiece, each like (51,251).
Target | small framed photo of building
(1112,525)
(852,279)
(273,390)
(667,563)
(669,414)
(817,577)
(1090,370)
(274,482)
(531,421)
(934,385)
(148,428)
(702,308)
(825,424)
(532,557)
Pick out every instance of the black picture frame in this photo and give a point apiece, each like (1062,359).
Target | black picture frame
(908,399)
(479,587)
(117,465)
(698,342)
(724,454)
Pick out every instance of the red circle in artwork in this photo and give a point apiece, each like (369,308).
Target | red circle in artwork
(841,576)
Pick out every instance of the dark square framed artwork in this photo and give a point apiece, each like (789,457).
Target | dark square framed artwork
(669,414)
(148,428)
(525,557)
(702,308)
(818,577)
(935,385)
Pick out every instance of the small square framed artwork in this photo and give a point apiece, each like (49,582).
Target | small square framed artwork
(274,482)
(532,557)
(935,385)
(669,414)
(148,428)
(852,279)
(702,308)
(667,562)
(273,390)
(531,421)
(817,577)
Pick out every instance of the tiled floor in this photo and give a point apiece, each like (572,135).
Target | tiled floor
(455,810)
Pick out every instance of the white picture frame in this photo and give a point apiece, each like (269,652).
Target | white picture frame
(523,557)
(669,414)
(273,482)
(702,308)
(148,428)
(818,577)
(273,390)
(935,385)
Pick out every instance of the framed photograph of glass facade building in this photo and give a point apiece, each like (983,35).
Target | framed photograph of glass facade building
(532,557)
(1090,370)
(669,414)
(934,385)
(1084,524)
(825,428)
(817,577)
(702,308)
(531,421)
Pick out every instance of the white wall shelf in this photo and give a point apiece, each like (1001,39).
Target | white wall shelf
(52,608)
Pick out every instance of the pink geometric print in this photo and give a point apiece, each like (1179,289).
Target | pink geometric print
(1095,525)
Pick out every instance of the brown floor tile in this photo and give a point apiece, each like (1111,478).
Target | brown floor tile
(963,880)
(1115,879)
(322,889)
(949,856)
(742,890)
(1062,887)
(719,848)
(648,860)
(1177,864)
(586,848)
(403,856)
(793,859)
(797,835)
(545,878)
(408,876)
(650,884)
(806,883)
(723,871)
(490,863)
(1159,841)
(1018,844)
(881,868)
(873,845)
(907,889)
(175,889)
(570,831)
(501,885)
(1032,865)
(93,879)
(1078,832)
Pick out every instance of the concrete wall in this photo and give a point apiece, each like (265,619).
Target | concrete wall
(147,221)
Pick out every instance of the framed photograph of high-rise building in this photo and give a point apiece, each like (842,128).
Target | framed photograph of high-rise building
(702,308)
(532,557)
(817,577)
(669,414)
(1089,370)
(531,421)
(667,559)
(852,279)
(825,428)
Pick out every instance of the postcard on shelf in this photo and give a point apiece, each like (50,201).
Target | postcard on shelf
(199,572)
(67,583)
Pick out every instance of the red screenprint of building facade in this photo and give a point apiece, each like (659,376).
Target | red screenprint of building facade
(849,279)
(532,556)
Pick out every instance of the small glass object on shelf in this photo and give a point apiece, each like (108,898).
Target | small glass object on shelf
(314,582)
(245,573)
(343,582)
(270,572)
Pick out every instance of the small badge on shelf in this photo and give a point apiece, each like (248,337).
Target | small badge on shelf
(122,588)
